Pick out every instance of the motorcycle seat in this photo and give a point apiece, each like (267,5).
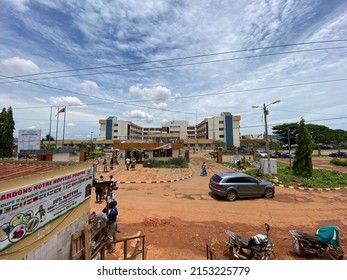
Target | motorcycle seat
(311,238)
(245,243)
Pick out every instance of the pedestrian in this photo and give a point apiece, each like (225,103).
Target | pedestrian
(112,187)
(111,163)
(98,192)
(127,162)
(112,225)
(203,170)
(105,165)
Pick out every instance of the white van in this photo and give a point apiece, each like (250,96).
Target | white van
(107,150)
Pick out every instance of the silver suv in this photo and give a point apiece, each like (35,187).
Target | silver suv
(236,184)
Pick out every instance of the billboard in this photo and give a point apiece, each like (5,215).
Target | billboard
(25,210)
(29,139)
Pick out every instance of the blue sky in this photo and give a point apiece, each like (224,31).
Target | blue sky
(156,61)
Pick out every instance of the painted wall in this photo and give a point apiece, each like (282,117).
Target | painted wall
(67,211)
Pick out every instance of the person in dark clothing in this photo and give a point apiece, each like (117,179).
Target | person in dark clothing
(98,192)
(112,225)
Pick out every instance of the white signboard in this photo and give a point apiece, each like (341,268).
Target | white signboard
(27,209)
(29,139)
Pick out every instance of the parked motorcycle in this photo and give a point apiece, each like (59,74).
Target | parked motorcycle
(326,241)
(257,247)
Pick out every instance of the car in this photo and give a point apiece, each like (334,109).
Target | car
(107,150)
(261,154)
(274,155)
(338,154)
(287,155)
(234,185)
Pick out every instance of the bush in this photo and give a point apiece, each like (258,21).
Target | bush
(171,163)
(339,161)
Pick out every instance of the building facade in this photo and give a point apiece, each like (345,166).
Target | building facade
(225,128)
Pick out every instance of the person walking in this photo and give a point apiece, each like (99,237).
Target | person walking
(105,165)
(127,162)
(203,169)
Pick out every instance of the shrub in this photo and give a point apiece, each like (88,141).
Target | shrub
(339,161)
(171,163)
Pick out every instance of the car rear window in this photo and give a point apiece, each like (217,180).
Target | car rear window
(216,178)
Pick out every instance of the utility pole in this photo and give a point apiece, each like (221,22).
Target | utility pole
(266,112)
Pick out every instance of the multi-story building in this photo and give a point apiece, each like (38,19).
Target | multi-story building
(225,128)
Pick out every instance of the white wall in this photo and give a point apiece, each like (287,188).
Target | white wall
(61,157)
(59,246)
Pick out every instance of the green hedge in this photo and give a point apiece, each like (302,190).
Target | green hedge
(339,161)
(171,163)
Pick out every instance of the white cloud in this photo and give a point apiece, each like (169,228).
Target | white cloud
(20,66)
(89,85)
(161,106)
(138,115)
(71,124)
(66,101)
(154,93)
(164,121)
(19,5)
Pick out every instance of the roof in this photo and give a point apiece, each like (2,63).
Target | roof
(14,169)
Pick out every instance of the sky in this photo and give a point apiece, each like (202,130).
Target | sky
(150,62)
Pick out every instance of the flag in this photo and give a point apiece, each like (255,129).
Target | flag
(60,111)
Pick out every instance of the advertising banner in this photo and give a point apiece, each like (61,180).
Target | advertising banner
(27,209)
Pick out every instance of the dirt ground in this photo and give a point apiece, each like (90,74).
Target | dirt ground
(180,218)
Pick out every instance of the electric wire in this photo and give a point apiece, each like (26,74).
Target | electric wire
(180,58)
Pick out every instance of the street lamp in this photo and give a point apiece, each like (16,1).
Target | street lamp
(266,112)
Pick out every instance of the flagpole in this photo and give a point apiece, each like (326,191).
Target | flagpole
(56,131)
(64,126)
(50,129)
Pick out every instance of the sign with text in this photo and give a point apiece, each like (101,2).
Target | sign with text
(29,139)
(27,209)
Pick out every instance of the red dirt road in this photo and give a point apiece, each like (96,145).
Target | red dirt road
(179,218)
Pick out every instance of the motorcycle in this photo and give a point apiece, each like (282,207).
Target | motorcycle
(257,247)
(326,241)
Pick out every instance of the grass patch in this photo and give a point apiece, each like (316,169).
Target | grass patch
(320,178)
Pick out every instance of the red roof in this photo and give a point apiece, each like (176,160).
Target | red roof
(18,169)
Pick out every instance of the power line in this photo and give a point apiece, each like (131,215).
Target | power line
(191,96)
(155,67)
(178,58)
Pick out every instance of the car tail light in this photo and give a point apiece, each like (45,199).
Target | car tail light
(218,186)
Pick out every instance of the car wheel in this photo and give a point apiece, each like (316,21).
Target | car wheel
(231,196)
(269,193)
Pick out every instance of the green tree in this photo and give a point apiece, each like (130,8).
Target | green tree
(48,138)
(320,133)
(302,164)
(6,132)
(218,143)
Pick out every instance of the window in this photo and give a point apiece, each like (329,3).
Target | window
(162,153)
(116,130)
(241,180)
